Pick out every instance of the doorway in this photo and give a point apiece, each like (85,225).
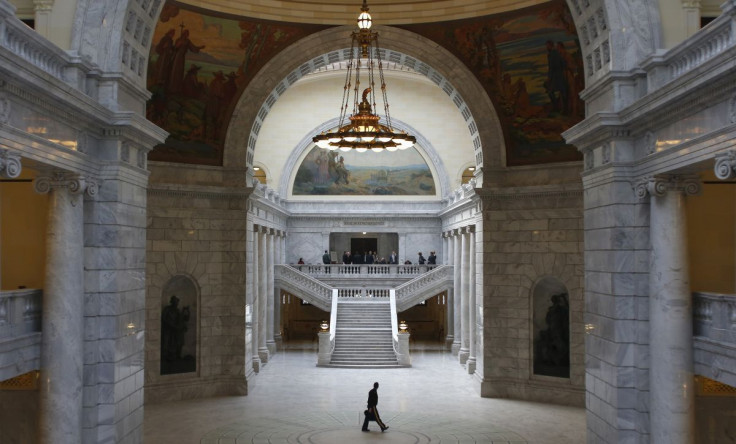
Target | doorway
(363,244)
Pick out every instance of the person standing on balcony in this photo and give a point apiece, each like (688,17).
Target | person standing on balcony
(393,259)
(371,414)
(327,260)
(421,259)
(432,259)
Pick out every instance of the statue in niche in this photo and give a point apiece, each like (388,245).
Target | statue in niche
(174,322)
(552,345)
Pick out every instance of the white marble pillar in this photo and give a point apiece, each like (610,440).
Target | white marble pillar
(42,17)
(470,365)
(457,291)
(262,292)
(450,301)
(444,259)
(62,337)
(691,13)
(464,293)
(277,292)
(271,246)
(671,382)
(255,285)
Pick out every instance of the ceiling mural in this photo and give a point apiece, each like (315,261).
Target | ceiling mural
(530,64)
(528,61)
(200,63)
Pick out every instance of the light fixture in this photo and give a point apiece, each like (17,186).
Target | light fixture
(324,326)
(256,169)
(403,327)
(364,132)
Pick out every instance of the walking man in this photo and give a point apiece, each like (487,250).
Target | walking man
(372,413)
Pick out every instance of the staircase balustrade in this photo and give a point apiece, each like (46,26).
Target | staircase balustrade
(304,286)
(714,336)
(424,286)
(364,270)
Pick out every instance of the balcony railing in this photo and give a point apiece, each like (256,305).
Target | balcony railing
(20,312)
(364,271)
(714,336)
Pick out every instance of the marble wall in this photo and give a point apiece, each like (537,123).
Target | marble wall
(530,234)
(200,234)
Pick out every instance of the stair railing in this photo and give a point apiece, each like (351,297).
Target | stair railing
(422,287)
(304,286)
(333,320)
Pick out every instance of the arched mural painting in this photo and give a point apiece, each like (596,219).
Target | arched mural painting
(338,173)
(179,326)
(551,328)
(528,61)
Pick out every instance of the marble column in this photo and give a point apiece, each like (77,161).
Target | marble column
(42,17)
(464,293)
(255,285)
(671,382)
(280,251)
(444,259)
(470,365)
(270,294)
(62,337)
(262,294)
(457,291)
(450,302)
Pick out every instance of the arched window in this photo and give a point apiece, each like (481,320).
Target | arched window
(551,328)
(179,326)
(259,174)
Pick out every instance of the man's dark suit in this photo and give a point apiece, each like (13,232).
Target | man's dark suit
(373,410)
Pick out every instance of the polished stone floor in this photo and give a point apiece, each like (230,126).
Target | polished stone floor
(293,401)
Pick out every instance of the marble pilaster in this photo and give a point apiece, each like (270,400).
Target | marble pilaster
(449,303)
(464,351)
(256,285)
(62,343)
(280,259)
(445,260)
(271,246)
(471,363)
(671,382)
(457,291)
(262,294)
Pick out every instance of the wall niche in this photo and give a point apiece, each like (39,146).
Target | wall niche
(179,326)
(551,328)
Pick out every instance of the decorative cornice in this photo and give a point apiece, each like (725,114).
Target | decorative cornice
(527,194)
(660,185)
(10,165)
(725,167)
(75,183)
(237,193)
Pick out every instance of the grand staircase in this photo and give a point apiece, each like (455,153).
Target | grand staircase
(363,336)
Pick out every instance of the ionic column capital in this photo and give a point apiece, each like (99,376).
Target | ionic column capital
(10,166)
(660,185)
(725,167)
(75,183)
(43,6)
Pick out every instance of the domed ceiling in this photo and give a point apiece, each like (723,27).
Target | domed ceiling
(341,12)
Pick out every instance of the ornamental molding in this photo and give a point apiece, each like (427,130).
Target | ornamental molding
(198,194)
(732,108)
(658,186)
(4,108)
(74,183)
(363,222)
(725,167)
(10,166)
(520,194)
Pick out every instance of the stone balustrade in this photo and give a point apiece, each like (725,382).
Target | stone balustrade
(364,271)
(422,287)
(20,312)
(304,286)
(20,332)
(714,336)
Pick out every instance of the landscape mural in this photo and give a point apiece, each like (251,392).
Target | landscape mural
(338,173)
(198,67)
(530,64)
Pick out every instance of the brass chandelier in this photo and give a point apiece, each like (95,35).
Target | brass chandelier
(364,132)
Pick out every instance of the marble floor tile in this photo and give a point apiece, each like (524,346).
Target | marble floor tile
(293,401)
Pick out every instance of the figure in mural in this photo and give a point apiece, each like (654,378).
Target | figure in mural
(552,347)
(162,68)
(181,47)
(342,172)
(191,86)
(570,73)
(323,168)
(556,85)
(173,328)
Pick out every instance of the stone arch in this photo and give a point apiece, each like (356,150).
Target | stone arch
(291,165)
(327,47)
(615,35)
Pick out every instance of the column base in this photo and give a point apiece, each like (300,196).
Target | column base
(271,345)
(263,355)
(455,348)
(448,341)
(462,355)
(470,365)
(256,364)
(279,342)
